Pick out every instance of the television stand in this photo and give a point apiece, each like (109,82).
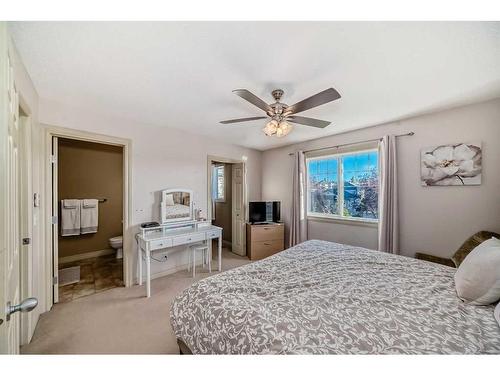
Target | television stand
(265,239)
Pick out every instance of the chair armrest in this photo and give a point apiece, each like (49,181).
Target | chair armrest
(435,259)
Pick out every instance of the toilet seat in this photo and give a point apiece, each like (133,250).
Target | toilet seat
(116,240)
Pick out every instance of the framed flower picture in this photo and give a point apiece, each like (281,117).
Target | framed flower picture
(453,164)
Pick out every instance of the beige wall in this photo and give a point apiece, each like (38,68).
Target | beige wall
(91,170)
(432,219)
(162,158)
(224,210)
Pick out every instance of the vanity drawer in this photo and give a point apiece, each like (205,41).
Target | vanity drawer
(188,238)
(213,234)
(160,244)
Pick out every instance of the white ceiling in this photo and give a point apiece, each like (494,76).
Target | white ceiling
(180,74)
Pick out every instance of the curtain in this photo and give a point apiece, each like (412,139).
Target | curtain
(388,196)
(298,222)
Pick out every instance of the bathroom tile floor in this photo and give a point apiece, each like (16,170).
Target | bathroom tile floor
(96,275)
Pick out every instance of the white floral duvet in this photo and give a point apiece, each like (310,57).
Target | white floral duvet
(325,298)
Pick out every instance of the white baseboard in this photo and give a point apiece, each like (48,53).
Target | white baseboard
(91,254)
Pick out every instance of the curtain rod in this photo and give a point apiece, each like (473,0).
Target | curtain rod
(355,143)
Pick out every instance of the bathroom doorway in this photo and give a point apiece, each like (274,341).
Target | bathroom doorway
(88,191)
(221,204)
(227,201)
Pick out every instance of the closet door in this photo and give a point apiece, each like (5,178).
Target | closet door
(55,221)
(238,216)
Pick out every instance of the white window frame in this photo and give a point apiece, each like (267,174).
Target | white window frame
(216,184)
(340,173)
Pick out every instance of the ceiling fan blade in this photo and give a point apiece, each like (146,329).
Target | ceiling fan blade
(255,100)
(323,97)
(242,120)
(308,121)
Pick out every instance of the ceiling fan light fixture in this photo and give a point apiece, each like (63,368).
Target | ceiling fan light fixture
(285,128)
(277,129)
(280,112)
(270,128)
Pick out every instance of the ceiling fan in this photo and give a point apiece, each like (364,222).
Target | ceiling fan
(281,114)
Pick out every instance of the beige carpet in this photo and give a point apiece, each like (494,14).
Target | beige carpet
(118,321)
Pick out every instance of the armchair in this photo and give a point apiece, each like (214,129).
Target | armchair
(462,252)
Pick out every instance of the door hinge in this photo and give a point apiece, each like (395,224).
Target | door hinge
(53,159)
(26,241)
(54,280)
(54,220)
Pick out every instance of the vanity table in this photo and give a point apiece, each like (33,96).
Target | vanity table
(178,228)
(171,235)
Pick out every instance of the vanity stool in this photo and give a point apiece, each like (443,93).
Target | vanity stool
(206,256)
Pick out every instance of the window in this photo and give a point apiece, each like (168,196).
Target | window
(343,186)
(218,183)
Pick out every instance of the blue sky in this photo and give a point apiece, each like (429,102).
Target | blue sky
(353,164)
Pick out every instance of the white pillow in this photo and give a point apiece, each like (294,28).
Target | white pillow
(497,313)
(477,280)
(169,200)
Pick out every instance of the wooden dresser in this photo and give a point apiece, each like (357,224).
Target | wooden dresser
(264,240)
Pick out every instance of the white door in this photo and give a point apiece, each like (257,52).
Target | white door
(55,221)
(238,204)
(9,253)
(11,140)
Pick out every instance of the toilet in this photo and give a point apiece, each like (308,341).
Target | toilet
(117,243)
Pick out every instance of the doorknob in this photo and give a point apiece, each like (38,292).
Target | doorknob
(25,306)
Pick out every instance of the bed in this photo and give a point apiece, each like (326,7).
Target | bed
(325,298)
(177,211)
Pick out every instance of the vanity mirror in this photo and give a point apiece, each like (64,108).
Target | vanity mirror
(176,205)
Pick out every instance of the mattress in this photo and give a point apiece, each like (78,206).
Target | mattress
(326,298)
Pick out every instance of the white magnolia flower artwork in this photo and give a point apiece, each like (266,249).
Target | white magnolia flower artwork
(456,164)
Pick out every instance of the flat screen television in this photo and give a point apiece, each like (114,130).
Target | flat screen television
(264,212)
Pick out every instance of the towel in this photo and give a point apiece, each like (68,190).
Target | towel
(71,203)
(70,217)
(89,215)
(89,203)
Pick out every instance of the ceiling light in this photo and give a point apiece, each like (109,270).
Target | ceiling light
(273,128)
(284,128)
(270,128)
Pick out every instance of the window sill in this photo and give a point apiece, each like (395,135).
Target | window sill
(344,220)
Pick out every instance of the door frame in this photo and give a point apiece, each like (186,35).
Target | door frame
(221,159)
(26,220)
(49,132)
